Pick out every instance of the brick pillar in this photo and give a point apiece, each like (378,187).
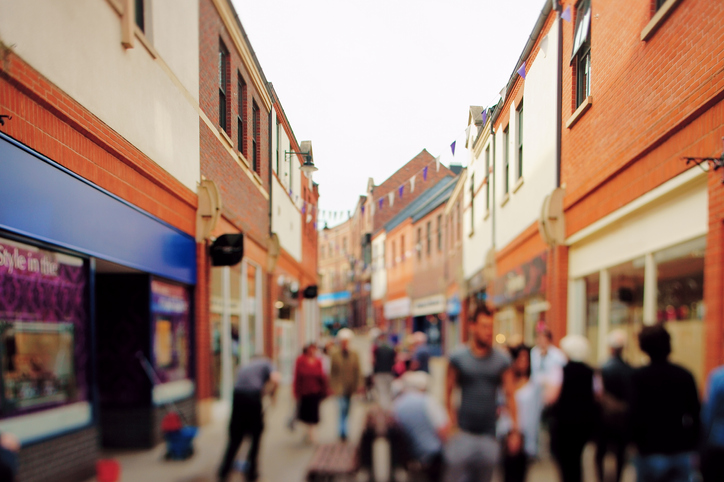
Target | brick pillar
(203,332)
(713,285)
(558,291)
(269,311)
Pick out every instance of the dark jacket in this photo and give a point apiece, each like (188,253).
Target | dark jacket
(616,376)
(575,411)
(665,409)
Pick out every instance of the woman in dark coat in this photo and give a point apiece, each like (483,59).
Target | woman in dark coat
(574,413)
(310,388)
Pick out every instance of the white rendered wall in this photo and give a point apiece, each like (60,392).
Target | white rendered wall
(287,218)
(77,46)
(539,143)
(379,271)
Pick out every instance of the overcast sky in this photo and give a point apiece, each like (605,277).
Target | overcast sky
(371,83)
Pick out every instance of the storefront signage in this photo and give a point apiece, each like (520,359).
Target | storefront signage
(43,316)
(399,308)
(430,305)
(526,280)
(454,307)
(331,299)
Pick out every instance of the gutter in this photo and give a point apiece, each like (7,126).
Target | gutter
(559,106)
(526,52)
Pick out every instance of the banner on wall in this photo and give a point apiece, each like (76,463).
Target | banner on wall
(522,282)
(43,319)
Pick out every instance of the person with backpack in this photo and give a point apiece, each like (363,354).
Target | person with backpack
(712,418)
(615,399)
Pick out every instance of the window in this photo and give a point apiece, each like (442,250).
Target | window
(581,55)
(660,3)
(429,236)
(140,18)
(241,91)
(255,154)
(279,144)
(472,202)
(519,124)
(223,86)
(402,247)
(393,254)
(506,170)
(487,178)
(439,232)
(344,246)
(459,224)
(419,243)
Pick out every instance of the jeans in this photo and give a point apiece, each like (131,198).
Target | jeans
(344,401)
(247,419)
(664,468)
(471,457)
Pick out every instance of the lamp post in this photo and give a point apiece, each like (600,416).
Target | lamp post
(714,162)
(307,166)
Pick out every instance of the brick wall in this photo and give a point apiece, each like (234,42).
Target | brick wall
(402,176)
(68,458)
(714,276)
(202,335)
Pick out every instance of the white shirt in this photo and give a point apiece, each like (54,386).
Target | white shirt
(544,369)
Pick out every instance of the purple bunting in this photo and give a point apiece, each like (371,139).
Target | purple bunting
(315,224)
(304,208)
(424,174)
(363,209)
(485,116)
(290,192)
(521,71)
(452,146)
(402,189)
(381,201)
(566,15)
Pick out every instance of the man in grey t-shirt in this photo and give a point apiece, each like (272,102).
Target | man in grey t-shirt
(479,370)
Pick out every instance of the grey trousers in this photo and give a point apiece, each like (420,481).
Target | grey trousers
(383,384)
(471,458)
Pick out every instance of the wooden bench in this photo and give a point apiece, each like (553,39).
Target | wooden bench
(332,462)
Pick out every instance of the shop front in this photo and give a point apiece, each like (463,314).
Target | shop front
(91,290)
(334,309)
(397,313)
(647,267)
(520,300)
(428,317)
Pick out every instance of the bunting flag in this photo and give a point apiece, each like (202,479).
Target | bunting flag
(502,91)
(521,71)
(363,209)
(452,146)
(566,15)
(485,116)
(437,163)
(391,197)
(401,190)
(424,174)
(315,225)
(304,207)
(290,192)
(412,184)
(381,201)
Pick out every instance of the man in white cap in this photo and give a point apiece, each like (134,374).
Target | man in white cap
(615,401)
(424,422)
(344,377)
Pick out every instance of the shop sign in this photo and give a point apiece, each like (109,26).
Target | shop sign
(454,307)
(430,305)
(399,308)
(526,280)
(170,314)
(331,299)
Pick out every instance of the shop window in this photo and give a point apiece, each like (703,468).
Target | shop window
(592,288)
(43,329)
(627,304)
(680,301)
(170,311)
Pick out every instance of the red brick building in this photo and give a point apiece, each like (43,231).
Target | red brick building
(642,91)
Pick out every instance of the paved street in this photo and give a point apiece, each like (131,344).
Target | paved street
(284,455)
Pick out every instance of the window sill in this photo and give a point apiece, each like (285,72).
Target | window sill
(226,137)
(518,184)
(487,215)
(505,200)
(582,109)
(659,18)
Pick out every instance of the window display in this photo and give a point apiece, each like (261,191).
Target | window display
(43,318)
(170,312)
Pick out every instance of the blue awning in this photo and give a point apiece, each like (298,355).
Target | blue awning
(331,299)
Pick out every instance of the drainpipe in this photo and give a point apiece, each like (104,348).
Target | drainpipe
(268,327)
(559,107)
(492,133)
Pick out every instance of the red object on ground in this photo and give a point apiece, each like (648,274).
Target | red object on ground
(108,470)
(171,422)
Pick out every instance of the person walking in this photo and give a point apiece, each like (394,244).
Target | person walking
(665,413)
(545,358)
(9,448)
(253,380)
(712,417)
(310,388)
(420,353)
(573,413)
(424,422)
(383,359)
(479,370)
(528,403)
(615,401)
(344,377)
